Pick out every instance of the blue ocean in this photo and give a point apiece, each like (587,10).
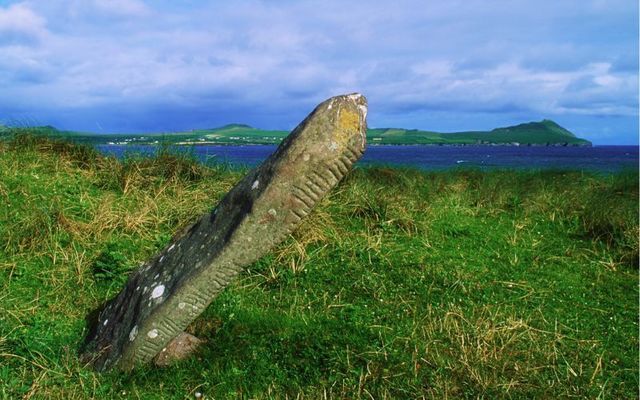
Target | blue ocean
(597,158)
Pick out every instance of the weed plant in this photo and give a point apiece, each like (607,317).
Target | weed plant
(401,283)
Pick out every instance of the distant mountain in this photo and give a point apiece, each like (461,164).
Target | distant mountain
(234,126)
(543,133)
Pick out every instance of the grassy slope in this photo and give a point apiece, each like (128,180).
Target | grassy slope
(401,284)
(541,133)
(228,134)
(239,134)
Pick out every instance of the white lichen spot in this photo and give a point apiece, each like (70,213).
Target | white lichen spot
(255,185)
(133,333)
(363,111)
(272,212)
(333,146)
(105,322)
(157,291)
(182,305)
(152,334)
(306,157)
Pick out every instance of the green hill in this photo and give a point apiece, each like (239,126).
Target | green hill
(543,133)
(239,134)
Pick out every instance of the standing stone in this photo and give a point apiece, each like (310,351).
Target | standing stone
(169,291)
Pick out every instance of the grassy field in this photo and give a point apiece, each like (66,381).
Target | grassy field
(401,284)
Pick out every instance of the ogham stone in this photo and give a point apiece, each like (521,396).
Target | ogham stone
(169,291)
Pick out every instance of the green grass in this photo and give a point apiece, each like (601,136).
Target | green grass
(401,284)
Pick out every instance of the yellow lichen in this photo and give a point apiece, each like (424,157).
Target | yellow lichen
(349,120)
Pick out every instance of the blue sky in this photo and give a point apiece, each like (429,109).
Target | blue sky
(135,66)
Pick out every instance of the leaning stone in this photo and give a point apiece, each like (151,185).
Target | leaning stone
(169,291)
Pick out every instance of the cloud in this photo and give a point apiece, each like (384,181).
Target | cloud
(593,88)
(20,25)
(268,63)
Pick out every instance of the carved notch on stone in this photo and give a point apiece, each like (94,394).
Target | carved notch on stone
(169,291)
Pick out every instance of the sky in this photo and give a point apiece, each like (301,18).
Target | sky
(163,66)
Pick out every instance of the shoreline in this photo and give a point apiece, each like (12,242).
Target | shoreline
(562,144)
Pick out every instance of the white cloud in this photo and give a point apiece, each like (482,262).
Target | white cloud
(434,84)
(20,24)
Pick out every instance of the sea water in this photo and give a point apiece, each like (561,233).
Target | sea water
(597,158)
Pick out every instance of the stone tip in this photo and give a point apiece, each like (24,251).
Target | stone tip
(361,102)
(357,98)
